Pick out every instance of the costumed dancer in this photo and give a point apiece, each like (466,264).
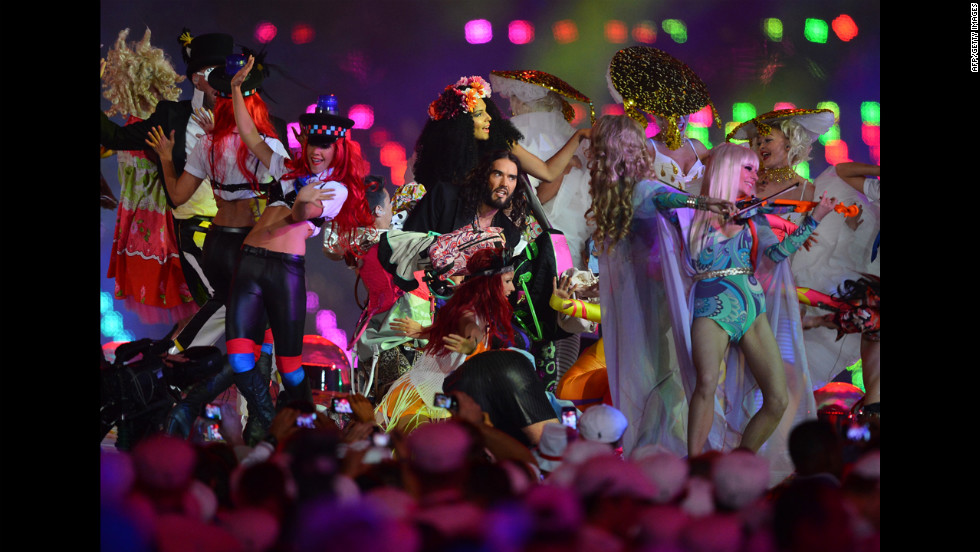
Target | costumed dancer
(193,217)
(845,250)
(641,361)
(637,324)
(728,303)
(476,317)
(326,183)
(239,181)
(146,261)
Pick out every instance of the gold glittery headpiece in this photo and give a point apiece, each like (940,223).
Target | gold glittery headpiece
(554,84)
(814,121)
(653,81)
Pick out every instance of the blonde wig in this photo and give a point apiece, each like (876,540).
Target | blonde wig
(138,76)
(721,181)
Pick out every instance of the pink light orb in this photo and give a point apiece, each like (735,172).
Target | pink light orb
(362,115)
(478,31)
(265,32)
(783,105)
(871,134)
(291,130)
(520,32)
(702,118)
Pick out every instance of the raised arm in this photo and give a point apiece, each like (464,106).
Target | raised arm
(246,126)
(554,167)
(180,189)
(854,173)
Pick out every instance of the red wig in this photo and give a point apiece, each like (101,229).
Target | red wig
(349,168)
(225,127)
(481,295)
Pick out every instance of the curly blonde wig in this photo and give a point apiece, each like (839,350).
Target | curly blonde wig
(138,76)
(618,159)
(798,140)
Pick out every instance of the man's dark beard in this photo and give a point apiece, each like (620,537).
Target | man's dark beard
(490,200)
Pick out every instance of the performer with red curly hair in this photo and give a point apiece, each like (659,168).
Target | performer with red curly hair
(327,183)
(476,317)
(239,182)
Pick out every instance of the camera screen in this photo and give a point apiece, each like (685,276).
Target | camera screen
(444,401)
(213,434)
(306,420)
(212,412)
(569,418)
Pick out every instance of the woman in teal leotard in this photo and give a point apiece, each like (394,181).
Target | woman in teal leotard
(729,301)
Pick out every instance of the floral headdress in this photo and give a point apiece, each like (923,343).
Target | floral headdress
(459,98)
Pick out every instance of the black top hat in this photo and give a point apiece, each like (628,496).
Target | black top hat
(204,51)
(220,78)
(324,127)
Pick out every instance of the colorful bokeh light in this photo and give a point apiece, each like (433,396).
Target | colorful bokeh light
(844,27)
(565,31)
(292,129)
(742,111)
(520,32)
(392,153)
(265,32)
(835,152)
(871,113)
(871,134)
(302,34)
(478,31)
(645,32)
(615,31)
(677,30)
(815,30)
(773,29)
(362,115)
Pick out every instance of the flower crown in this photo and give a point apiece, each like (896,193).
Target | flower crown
(459,97)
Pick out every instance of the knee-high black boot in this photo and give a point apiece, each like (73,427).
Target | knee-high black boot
(254,429)
(181,418)
(260,408)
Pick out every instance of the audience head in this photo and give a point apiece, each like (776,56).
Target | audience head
(604,424)
(815,446)
(739,478)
